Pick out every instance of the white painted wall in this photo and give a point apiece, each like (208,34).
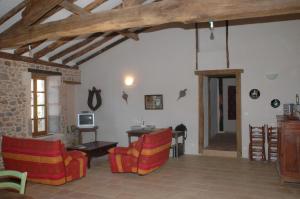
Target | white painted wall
(229,125)
(163,63)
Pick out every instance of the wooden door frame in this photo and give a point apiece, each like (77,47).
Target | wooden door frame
(220,73)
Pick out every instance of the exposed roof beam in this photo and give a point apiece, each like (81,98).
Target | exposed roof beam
(35,9)
(167,11)
(23,49)
(102,50)
(107,48)
(34,61)
(73,8)
(129,34)
(129,3)
(75,47)
(64,40)
(89,48)
(52,47)
(12,12)
(94,4)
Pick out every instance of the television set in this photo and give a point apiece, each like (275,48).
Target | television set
(85,120)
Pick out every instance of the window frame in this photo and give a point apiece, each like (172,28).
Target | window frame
(34,128)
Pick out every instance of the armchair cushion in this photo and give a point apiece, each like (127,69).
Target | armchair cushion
(143,156)
(46,162)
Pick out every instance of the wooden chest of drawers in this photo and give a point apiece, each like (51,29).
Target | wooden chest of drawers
(289,148)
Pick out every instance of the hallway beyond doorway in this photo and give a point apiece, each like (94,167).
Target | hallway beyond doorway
(223,142)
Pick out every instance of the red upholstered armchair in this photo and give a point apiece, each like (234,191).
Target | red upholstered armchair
(46,162)
(145,155)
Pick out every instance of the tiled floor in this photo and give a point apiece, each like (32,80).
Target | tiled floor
(223,142)
(188,177)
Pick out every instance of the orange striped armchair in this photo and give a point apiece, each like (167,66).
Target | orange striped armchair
(46,162)
(145,155)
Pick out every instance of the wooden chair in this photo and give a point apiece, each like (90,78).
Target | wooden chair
(257,143)
(272,137)
(19,186)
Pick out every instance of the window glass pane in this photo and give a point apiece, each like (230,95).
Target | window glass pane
(41,111)
(40,85)
(32,112)
(40,98)
(32,126)
(41,125)
(32,83)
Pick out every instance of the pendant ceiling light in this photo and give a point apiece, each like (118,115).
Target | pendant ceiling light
(211,27)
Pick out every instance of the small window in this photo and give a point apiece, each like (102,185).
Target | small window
(38,105)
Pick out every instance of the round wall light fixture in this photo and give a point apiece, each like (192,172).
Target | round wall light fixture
(128,80)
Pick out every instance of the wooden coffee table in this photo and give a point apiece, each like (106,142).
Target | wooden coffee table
(94,149)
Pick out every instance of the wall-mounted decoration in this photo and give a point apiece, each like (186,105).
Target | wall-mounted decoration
(125,97)
(182,93)
(275,103)
(271,76)
(92,93)
(153,102)
(254,93)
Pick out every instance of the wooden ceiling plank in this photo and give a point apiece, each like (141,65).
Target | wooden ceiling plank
(89,48)
(12,12)
(33,61)
(75,47)
(73,8)
(106,48)
(64,40)
(153,14)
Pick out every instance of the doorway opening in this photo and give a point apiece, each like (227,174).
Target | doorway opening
(220,112)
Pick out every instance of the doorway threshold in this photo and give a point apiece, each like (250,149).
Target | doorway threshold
(218,153)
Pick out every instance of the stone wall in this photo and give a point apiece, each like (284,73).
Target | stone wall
(15,95)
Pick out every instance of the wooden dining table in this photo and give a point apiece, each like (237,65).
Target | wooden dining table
(5,194)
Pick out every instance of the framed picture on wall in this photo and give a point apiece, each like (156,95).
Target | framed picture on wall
(153,102)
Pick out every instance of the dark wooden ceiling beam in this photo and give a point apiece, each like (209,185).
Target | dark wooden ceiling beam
(12,12)
(35,9)
(89,48)
(129,3)
(102,50)
(33,61)
(73,8)
(129,34)
(167,11)
(52,47)
(62,41)
(23,49)
(75,47)
(106,48)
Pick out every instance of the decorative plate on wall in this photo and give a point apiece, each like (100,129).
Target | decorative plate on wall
(254,93)
(275,103)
